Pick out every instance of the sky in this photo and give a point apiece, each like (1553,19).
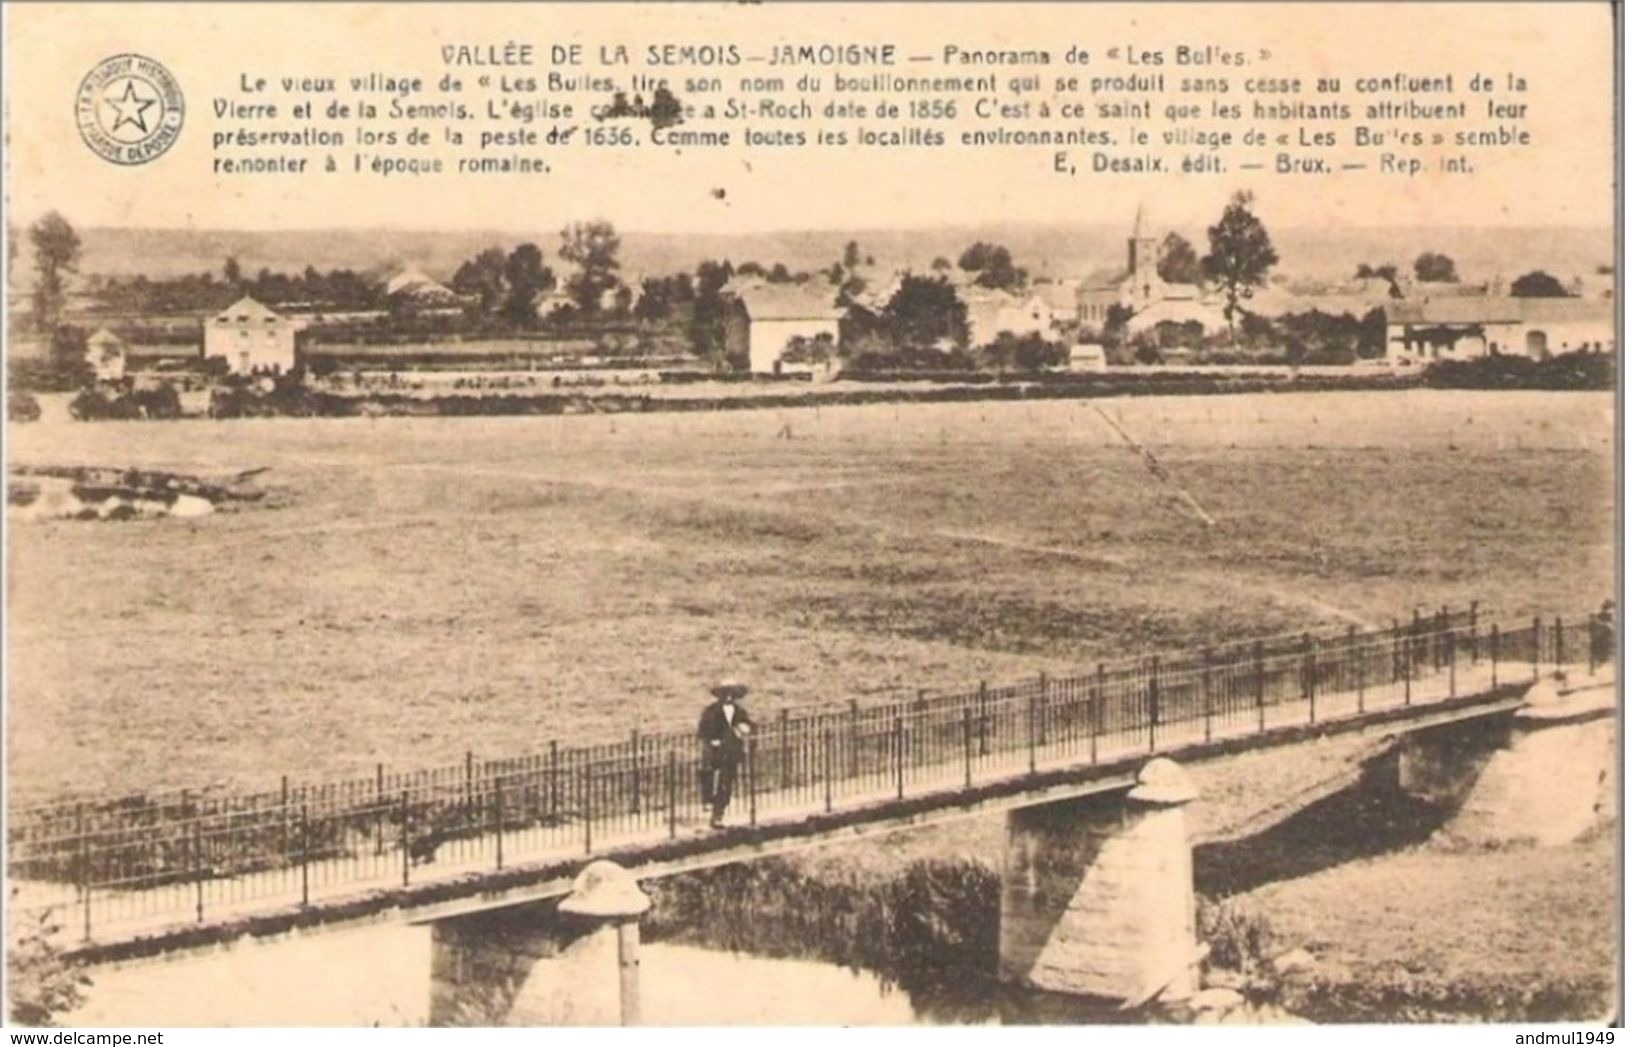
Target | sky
(1562,51)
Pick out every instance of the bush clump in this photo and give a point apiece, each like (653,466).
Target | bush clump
(1566,371)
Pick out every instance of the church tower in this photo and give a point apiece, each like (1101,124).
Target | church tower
(1143,282)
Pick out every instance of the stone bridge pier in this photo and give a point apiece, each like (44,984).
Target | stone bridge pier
(1545,775)
(562,962)
(1099,896)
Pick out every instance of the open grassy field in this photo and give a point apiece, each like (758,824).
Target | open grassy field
(424,587)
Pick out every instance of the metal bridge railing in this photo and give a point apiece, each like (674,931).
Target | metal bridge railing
(122,865)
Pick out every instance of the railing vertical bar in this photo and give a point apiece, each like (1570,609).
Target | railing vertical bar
(829,781)
(966,715)
(750,772)
(497,788)
(587,804)
(1357,652)
(1154,699)
(406,842)
(897,751)
(1258,681)
(304,857)
(671,793)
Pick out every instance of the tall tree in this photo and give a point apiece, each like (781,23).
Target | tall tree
(1434,268)
(925,311)
(56,254)
(993,267)
(1538,284)
(1239,255)
(485,277)
(594,249)
(1177,263)
(706,324)
(526,279)
(1387,271)
(852,257)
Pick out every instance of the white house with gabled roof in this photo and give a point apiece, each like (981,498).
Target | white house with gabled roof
(252,338)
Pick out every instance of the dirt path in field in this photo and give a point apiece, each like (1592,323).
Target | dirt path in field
(1291,598)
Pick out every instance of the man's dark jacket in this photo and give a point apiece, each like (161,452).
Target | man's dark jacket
(714,727)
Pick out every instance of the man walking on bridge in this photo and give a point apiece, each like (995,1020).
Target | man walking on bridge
(724,726)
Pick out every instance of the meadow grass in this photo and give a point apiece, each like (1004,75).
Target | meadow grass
(419,588)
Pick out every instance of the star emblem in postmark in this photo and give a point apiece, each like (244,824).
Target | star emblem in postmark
(129,109)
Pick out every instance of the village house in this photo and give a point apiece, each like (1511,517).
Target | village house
(414,290)
(107,355)
(1061,297)
(761,322)
(1140,288)
(1086,357)
(1462,328)
(990,313)
(252,338)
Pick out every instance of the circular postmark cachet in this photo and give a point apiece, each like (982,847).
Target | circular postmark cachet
(129,109)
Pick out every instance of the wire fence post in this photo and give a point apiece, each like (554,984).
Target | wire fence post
(1557,642)
(1472,630)
(304,858)
(671,793)
(1495,654)
(468,783)
(1534,659)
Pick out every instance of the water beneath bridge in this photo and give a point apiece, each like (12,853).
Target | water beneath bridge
(379,975)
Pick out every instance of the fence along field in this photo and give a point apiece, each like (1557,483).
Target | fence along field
(132,864)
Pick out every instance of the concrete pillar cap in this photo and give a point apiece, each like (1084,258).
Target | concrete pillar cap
(1163,781)
(604,889)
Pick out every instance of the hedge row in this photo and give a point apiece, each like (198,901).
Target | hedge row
(303,403)
(1581,370)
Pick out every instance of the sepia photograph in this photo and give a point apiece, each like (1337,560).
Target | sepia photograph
(810,515)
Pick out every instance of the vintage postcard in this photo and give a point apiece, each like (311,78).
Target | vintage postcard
(790,514)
